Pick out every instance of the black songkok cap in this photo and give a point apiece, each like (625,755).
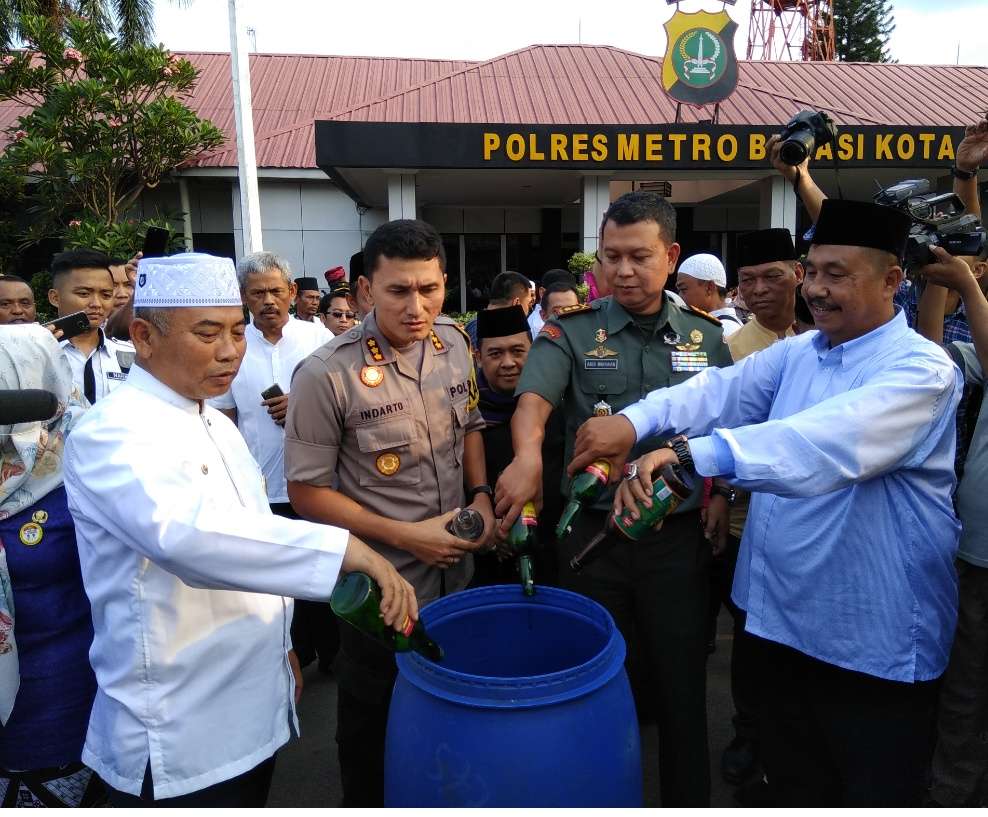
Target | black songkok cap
(306,284)
(862,224)
(500,323)
(765,246)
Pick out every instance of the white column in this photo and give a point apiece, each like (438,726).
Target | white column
(777,204)
(401,196)
(596,200)
(183,192)
(463,273)
(250,206)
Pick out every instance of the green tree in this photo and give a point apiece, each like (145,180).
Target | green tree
(105,124)
(862,29)
(131,21)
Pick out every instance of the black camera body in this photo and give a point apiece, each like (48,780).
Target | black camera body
(804,133)
(938,220)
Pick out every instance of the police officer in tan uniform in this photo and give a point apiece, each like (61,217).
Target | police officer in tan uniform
(387,413)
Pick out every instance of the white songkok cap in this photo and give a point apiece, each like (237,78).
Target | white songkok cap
(186,279)
(705,267)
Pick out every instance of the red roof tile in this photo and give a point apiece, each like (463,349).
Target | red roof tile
(549,84)
(576,84)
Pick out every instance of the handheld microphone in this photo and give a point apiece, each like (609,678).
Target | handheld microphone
(26,406)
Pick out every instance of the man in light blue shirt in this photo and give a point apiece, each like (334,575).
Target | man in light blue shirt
(846,438)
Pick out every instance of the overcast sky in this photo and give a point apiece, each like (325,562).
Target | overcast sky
(927,31)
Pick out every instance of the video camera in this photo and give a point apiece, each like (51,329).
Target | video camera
(805,131)
(938,220)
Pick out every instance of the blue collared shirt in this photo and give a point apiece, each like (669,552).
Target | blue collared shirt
(848,552)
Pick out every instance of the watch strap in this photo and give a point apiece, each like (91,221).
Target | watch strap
(963,175)
(681,445)
(479,489)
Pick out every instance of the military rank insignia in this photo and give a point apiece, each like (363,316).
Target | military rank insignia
(375,350)
(551,331)
(437,343)
(371,376)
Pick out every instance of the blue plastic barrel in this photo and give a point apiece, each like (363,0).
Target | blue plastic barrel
(531,706)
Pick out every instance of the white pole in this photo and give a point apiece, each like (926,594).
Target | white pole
(183,192)
(250,207)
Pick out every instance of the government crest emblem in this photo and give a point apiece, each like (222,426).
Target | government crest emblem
(700,66)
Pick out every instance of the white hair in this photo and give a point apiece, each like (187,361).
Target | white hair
(259,262)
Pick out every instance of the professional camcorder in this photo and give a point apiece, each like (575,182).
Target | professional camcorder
(938,220)
(805,132)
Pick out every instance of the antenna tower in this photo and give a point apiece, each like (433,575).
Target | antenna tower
(800,30)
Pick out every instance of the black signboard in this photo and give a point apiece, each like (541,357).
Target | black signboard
(613,147)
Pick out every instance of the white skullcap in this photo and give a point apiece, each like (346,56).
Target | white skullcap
(705,267)
(186,279)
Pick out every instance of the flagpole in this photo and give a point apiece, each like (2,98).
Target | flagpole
(250,208)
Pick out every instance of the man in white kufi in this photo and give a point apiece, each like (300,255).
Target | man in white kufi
(189,574)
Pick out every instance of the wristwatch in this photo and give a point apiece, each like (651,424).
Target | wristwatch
(479,489)
(963,175)
(681,445)
(730,494)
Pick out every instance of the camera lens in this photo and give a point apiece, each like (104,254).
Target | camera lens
(797,148)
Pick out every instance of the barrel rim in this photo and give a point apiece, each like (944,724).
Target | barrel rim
(522,692)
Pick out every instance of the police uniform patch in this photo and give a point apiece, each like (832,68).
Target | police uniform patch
(550,330)
(31,534)
(40,517)
(371,376)
(388,464)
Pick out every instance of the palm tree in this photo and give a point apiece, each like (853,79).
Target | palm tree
(131,21)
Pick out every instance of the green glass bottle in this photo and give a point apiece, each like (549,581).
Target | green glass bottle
(670,485)
(357,600)
(585,489)
(522,541)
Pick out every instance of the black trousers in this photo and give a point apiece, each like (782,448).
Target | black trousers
(315,631)
(365,672)
(745,683)
(657,589)
(834,737)
(248,790)
(960,763)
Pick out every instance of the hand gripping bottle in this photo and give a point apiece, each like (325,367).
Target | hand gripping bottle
(670,485)
(357,600)
(585,489)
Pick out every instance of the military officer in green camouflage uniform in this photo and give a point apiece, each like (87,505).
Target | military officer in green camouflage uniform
(594,360)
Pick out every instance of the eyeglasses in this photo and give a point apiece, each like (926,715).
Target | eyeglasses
(338,314)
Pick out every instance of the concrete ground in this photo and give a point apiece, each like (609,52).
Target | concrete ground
(308,774)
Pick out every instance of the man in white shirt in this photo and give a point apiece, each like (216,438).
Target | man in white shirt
(81,282)
(702,283)
(276,344)
(187,569)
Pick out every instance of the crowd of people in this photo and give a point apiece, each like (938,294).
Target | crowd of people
(230,438)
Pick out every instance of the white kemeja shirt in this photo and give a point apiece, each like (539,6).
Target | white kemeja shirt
(536,321)
(729,320)
(190,577)
(265,364)
(111,360)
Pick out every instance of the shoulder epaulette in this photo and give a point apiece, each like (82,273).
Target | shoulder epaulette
(705,315)
(576,309)
(444,320)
